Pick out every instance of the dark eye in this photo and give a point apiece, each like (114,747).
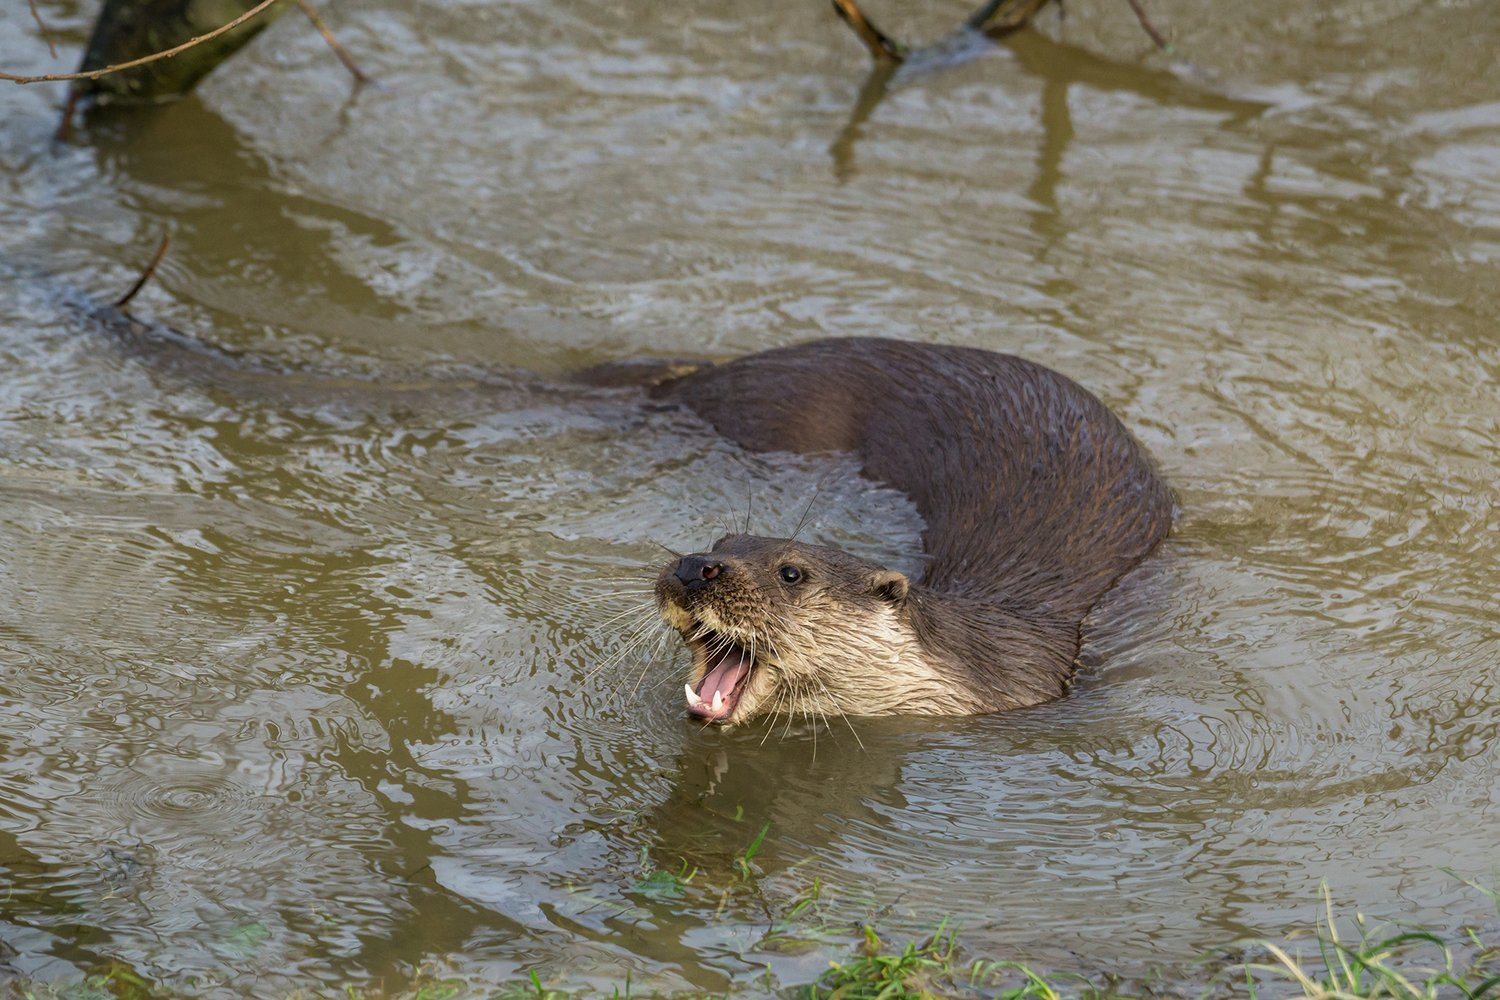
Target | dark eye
(790,574)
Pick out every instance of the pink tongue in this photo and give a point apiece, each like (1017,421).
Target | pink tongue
(722,679)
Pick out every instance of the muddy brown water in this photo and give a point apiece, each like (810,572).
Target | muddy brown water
(307,682)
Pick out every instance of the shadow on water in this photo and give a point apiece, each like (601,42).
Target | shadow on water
(1059,67)
(189,163)
(233,211)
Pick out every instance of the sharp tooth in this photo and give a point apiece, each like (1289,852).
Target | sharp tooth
(718,705)
(692,696)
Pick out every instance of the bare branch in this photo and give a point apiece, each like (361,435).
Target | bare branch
(333,43)
(881,45)
(154,57)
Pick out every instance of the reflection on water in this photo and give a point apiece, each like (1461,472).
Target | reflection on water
(313,645)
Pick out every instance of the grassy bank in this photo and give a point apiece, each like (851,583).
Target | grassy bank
(1338,957)
(1333,960)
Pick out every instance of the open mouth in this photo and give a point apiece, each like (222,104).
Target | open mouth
(727,668)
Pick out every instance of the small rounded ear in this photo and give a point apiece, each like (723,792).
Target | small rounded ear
(889,586)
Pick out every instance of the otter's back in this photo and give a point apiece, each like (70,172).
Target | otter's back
(1033,492)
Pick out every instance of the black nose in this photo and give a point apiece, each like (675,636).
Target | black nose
(695,571)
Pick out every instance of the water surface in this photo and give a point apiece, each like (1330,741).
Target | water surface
(325,677)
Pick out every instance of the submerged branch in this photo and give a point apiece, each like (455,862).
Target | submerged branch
(1156,36)
(36,15)
(881,45)
(123,302)
(994,18)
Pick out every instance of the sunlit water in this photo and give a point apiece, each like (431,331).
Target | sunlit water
(311,680)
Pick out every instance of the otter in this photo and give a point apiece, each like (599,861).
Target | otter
(1036,500)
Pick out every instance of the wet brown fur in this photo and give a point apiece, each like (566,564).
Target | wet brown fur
(1036,498)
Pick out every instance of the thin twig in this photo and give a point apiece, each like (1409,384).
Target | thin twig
(46,31)
(1156,36)
(333,43)
(881,45)
(161,251)
(94,74)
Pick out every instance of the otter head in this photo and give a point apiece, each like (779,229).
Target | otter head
(777,625)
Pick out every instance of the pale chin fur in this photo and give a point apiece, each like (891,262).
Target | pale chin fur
(881,666)
(880,669)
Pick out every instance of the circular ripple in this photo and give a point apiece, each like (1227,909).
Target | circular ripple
(183,795)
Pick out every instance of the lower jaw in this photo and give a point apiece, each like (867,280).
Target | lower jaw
(706,720)
(727,718)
